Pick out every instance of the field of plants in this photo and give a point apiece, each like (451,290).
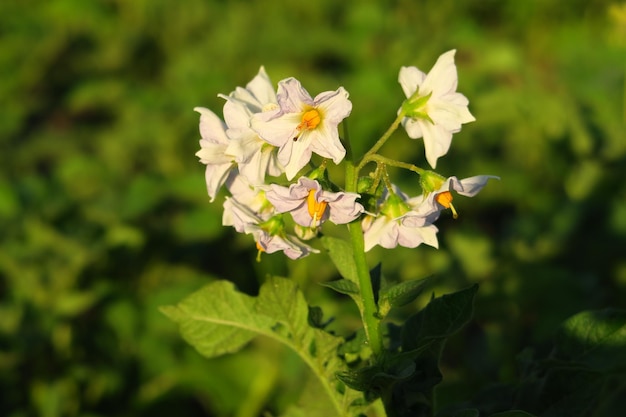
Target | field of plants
(105,217)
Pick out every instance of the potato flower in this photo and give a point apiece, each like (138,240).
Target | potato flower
(310,205)
(433,108)
(303,125)
(401,221)
(212,151)
(254,157)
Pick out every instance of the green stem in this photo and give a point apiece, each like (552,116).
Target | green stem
(369,314)
(381,141)
(392,163)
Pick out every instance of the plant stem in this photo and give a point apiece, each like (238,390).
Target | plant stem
(381,141)
(370,309)
(392,163)
(369,314)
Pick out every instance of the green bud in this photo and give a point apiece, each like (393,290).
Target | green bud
(394,207)
(274,225)
(364,184)
(431,181)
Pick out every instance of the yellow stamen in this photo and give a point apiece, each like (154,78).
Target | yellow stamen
(316,208)
(445,199)
(260,251)
(310,120)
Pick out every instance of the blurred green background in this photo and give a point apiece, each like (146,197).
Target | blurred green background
(104,214)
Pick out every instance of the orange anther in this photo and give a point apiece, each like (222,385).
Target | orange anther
(310,120)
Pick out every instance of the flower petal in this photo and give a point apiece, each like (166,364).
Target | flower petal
(442,78)
(410,78)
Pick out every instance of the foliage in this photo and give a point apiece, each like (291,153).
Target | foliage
(104,217)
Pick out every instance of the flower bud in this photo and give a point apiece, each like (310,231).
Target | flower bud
(394,207)
(431,181)
(364,184)
(274,225)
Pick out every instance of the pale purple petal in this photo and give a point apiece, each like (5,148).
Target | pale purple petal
(342,206)
(238,215)
(334,105)
(292,97)
(286,199)
(411,237)
(472,185)
(212,128)
(290,245)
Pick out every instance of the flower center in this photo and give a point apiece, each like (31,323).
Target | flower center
(316,208)
(445,199)
(310,120)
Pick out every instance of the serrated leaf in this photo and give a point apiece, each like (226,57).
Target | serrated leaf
(441,318)
(218,319)
(341,254)
(374,379)
(400,294)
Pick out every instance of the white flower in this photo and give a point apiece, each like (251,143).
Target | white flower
(434,110)
(310,205)
(253,155)
(247,203)
(435,200)
(303,125)
(213,150)
(402,221)
(270,243)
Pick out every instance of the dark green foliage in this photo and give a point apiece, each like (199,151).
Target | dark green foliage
(104,215)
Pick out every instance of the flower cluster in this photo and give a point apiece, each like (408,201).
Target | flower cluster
(267,133)
(262,153)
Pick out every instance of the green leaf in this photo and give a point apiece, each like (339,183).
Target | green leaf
(347,287)
(441,318)
(340,253)
(343,286)
(595,338)
(218,319)
(400,294)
